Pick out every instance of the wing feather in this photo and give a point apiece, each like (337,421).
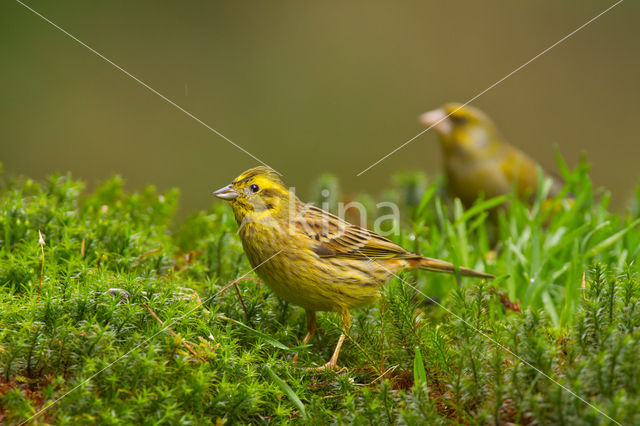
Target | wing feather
(334,237)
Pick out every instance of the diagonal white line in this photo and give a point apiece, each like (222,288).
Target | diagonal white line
(494,85)
(145,85)
(500,345)
(166,326)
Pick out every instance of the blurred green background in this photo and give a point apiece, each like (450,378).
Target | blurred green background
(310,87)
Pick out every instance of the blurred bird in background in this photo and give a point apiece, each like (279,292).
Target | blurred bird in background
(478,161)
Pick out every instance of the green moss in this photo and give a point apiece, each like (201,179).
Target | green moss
(97,355)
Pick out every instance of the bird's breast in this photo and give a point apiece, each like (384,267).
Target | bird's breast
(285,262)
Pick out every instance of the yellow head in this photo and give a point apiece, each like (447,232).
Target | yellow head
(256,193)
(464,131)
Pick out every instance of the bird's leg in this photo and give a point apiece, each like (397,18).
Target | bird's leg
(311,326)
(346,325)
(311,329)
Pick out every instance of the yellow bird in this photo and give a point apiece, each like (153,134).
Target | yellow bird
(477,159)
(312,258)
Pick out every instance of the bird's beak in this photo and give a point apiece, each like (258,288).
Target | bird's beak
(437,120)
(226,193)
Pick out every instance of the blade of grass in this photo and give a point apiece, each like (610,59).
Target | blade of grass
(287,390)
(273,342)
(481,207)
(550,308)
(612,239)
(425,200)
(419,373)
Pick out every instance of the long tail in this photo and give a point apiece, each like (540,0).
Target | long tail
(437,265)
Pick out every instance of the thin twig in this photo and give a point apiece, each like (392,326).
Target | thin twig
(387,371)
(246,312)
(174,334)
(221,292)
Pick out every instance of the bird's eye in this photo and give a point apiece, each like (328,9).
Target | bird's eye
(254,188)
(459,119)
